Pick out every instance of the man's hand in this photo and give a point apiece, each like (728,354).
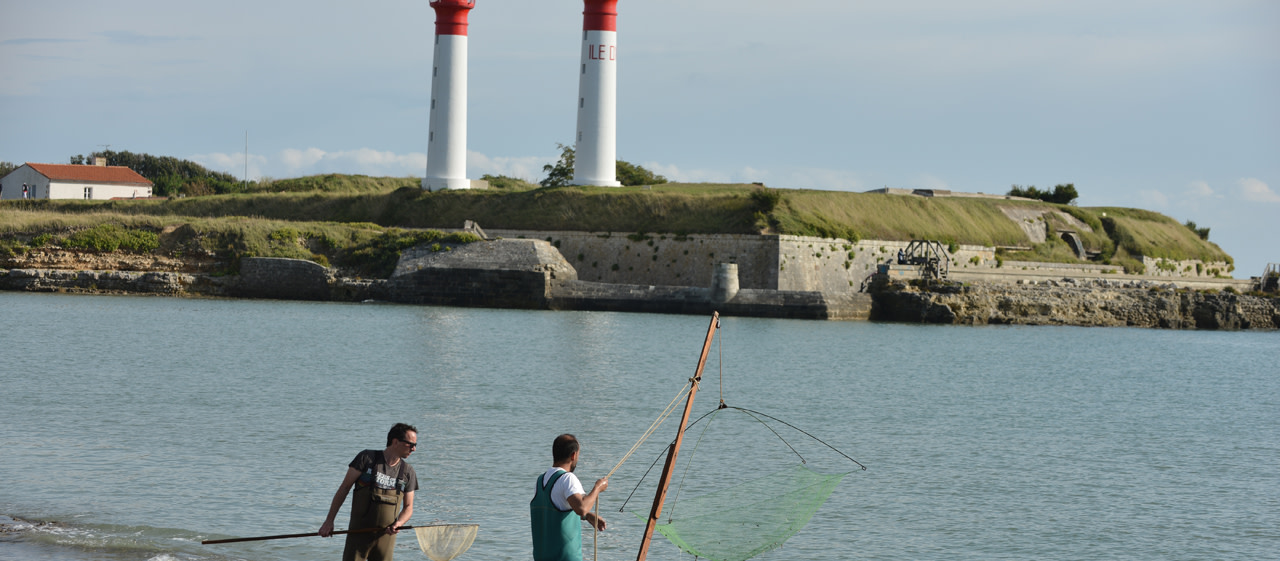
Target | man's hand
(326,529)
(597,521)
(601,485)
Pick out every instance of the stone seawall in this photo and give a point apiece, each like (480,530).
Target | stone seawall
(132,282)
(532,274)
(1093,303)
(594,296)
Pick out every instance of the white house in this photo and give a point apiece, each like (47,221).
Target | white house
(64,181)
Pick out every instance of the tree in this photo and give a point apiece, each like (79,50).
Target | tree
(7,167)
(631,174)
(1063,194)
(1202,232)
(1026,192)
(171,176)
(561,173)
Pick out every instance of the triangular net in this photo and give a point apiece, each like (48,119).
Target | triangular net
(446,541)
(748,519)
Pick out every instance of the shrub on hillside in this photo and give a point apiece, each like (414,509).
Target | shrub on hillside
(112,237)
(1063,194)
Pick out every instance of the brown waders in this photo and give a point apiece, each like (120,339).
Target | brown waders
(372,507)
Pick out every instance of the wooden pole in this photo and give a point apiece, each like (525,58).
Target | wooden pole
(310,535)
(674,449)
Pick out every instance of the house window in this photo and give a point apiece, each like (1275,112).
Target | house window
(88,192)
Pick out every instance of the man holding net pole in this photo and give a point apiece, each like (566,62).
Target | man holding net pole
(383,481)
(560,505)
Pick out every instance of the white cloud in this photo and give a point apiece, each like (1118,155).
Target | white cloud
(1153,198)
(297,159)
(361,160)
(1201,189)
(674,174)
(1255,190)
(528,168)
(232,163)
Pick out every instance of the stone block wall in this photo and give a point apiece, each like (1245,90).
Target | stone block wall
(835,266)
(489,288)
(1193,268)
(661,259)
(288,279)
(764,262)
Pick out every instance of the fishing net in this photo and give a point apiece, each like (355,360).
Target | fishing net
(445,541)
(747,519)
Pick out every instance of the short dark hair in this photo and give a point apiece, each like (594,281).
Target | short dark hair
(564,447)
(398,432)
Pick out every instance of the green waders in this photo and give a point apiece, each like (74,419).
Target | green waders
(557,534)
(372,507)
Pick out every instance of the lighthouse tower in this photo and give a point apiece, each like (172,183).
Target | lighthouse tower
(596,147)
(447,139)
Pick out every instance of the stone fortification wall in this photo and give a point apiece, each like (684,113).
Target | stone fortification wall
(661,259)
(794,263)
(285,279)
(595,296)
(501,274)
(1193,268)
(835,266)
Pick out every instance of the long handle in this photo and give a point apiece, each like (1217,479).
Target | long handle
(286,536)
(674,449)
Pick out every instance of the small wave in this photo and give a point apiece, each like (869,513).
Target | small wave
(102,542)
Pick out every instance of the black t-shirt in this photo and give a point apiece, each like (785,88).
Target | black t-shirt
(373,469)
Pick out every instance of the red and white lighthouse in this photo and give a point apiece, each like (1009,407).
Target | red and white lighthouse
(596,146)
(447,136)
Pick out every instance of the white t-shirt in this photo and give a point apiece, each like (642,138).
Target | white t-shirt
(567,486)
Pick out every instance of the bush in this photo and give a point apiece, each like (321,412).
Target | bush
(1063,194)
(766,199)
(631,174)
(12,248)
(112,237)
(506,183)
(377,257)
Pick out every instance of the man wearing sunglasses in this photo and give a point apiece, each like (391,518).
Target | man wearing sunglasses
(383,482)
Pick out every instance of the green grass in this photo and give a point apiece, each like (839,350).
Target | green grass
(361,249)
(334,183)
(1142,232)
(328,215)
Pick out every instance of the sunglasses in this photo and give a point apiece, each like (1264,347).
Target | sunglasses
(412,445)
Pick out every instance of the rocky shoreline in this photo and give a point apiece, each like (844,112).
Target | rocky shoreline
(1093,303)
(530,274)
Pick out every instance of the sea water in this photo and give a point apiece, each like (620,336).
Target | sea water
(132,428)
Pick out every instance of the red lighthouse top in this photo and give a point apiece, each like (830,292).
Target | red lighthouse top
(451,16)
(600,15)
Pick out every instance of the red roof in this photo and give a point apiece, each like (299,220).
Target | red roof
(118,175)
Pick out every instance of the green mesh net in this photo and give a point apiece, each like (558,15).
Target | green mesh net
(747,519)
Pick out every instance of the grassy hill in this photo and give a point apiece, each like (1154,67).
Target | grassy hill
(343,212)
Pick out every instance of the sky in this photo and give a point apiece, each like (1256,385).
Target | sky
(1166,105)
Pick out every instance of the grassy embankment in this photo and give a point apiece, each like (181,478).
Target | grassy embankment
(361,223)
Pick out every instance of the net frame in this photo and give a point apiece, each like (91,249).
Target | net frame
(443,542)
